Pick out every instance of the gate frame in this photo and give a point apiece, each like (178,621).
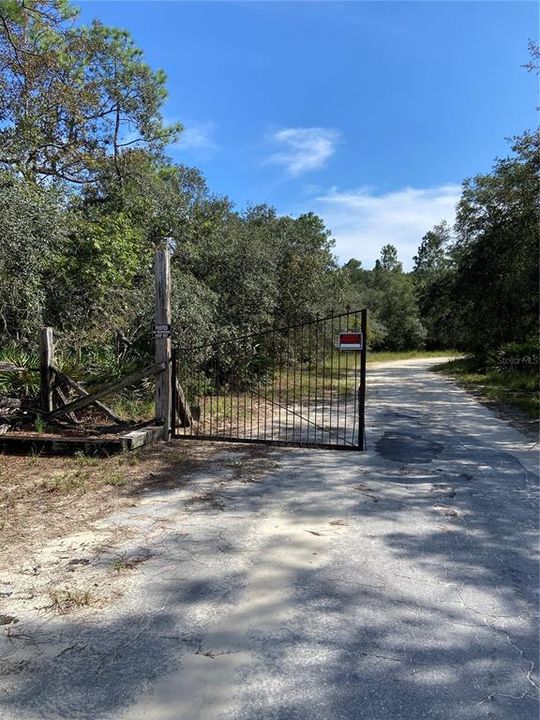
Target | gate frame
(361,394)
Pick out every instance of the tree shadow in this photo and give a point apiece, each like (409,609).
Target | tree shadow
(328,585)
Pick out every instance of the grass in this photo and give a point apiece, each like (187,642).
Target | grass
(64,600)
(132,459)
(384,356)
(42,483)
(80,474)
(80,460)
(45,497)
(132,407)
(40,425)
(66,483)
(114,478)
(514,389)
(122,565)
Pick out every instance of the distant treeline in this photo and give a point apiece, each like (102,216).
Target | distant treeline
(88,193)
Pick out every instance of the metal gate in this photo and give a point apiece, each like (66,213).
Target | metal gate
(301,386)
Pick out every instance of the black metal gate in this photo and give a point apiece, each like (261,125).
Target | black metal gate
(302,386)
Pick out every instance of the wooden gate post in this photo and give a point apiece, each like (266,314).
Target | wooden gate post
(46,373)
(162,325)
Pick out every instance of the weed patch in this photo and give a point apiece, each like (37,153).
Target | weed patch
(124,562)
(114,478)
(63,601)
(80,460)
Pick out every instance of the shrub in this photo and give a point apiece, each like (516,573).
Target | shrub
(17,384)
(521,357)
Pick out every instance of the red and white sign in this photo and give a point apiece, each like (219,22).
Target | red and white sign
(350,341)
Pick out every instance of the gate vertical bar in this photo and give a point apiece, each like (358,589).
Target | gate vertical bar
(346,394)
(362,388)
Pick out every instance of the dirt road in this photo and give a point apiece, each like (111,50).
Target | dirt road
(286,584)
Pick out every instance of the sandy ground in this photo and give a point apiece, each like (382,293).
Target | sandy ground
(270,583)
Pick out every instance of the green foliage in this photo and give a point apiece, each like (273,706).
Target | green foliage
(432,258)
(32,242)
(389,295)
(397,313)
(87,196)
(496,253)
(40,425)
(480,290)
(105,253)
(161,199)
(434,282)
(73,96)
(518,357)
(389,260)
(15,384)
(307,277)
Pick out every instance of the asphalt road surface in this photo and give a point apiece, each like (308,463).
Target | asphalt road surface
(286,584)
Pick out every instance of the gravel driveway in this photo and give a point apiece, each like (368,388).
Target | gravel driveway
(287,584)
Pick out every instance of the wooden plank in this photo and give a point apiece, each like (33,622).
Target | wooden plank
(64,401)
(83,402)
(143,436)
(181,413)
(182,408)
(18,443)
(83,393)
(46,361)
(162,317)
(10,403)
(10,367)
(65,445)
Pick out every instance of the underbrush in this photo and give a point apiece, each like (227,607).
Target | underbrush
(136,406)
(135,403)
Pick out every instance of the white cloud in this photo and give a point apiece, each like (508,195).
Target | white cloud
(303,149)
(362,221)
(197,139)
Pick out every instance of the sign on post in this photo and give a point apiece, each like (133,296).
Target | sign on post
(350,341)
(162,330)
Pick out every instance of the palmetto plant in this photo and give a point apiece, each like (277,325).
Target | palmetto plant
(22,383)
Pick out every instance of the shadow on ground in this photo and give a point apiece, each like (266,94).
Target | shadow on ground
(394,584)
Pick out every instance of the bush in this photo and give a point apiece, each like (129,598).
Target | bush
(32,237)
(19,384)
(518,357)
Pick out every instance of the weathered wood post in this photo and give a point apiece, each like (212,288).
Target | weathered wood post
(162,335)
(46,362)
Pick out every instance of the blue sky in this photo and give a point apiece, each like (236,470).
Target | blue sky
(368,113)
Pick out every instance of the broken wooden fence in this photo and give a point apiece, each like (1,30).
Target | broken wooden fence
(56,385)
